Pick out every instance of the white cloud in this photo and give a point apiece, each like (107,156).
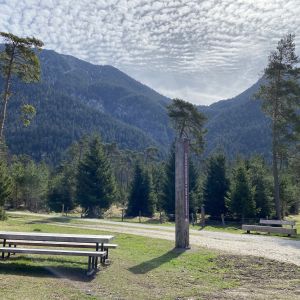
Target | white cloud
(203,50)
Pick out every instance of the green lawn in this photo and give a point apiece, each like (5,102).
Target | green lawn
(141,268)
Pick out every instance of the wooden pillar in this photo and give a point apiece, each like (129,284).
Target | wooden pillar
(182,194)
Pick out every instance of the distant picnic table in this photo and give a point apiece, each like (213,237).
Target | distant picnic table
(100,244)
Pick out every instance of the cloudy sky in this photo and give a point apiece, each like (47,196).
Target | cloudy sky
(198,50)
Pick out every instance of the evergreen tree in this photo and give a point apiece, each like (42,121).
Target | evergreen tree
(18,60)
(280,95)
(168,197)
(141,198)
(95,183)
(5,187)
(188,122)
(60,194)
(216,186)
(158,178)
(194,197)
(241,194)
(261,185)
(30,183)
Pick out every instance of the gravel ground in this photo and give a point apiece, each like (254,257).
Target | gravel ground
(276,248)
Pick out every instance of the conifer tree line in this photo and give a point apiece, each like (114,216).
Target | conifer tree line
(94,176)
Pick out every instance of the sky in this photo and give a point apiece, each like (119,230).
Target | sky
(199,50)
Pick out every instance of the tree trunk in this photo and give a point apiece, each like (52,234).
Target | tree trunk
(181,194)
(276,178)
(6,96)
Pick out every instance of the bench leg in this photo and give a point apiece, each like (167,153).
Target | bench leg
(8,254)
(96,259)
(102,259)
(4,243)
(248,231)
(90,268)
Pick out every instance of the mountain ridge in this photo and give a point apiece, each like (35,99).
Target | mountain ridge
(77,98)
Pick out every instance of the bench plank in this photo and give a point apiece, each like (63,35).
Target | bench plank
(55,237)
(277,222)
(58,244)
(281,230)
(52,252)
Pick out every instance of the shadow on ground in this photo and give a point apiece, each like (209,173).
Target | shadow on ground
(156,262)
(51,220)
(21,266)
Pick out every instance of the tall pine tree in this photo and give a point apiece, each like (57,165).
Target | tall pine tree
(141,199)
(96,187)
(5,187)
(280,101)
(262,191)
(241,194)
(168,197)
(216,186)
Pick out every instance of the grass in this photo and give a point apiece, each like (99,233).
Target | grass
(142,268)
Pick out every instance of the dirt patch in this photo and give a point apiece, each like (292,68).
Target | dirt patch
(259,278)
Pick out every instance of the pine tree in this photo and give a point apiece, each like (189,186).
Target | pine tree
(60,194)
(158,178)
(18,60)
(30,183)
(5,187)
(141,199)
(241,194)
(96,187)
(194,197)
(280,101)
(216,186)
(168,198)
(261,185)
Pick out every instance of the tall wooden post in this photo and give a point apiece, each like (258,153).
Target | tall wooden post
(182,194)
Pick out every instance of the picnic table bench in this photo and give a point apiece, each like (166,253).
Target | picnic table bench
(266,226)
(100,244)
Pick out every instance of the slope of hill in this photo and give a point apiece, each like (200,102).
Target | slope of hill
(237,126)
(76,98)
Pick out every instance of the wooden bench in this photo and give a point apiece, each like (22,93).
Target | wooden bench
(92,262)
(266,227)
(16,243)
(100,243)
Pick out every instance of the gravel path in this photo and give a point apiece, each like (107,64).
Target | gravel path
(280,249)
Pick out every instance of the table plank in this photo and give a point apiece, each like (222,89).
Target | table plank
(58,237)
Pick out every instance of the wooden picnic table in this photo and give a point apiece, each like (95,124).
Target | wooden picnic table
(58,240)
(56,237)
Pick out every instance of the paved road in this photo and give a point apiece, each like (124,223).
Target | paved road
(281,249)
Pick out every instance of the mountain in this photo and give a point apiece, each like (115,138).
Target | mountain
(237,126)
(75,98)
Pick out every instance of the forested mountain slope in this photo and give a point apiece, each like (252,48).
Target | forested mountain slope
(75,98)
(237,126)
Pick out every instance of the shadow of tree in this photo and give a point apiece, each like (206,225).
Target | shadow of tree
(156,262)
